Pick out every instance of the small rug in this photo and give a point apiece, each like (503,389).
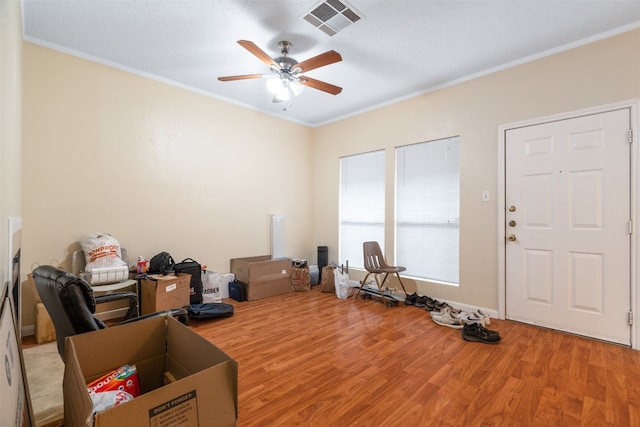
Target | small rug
(45,370)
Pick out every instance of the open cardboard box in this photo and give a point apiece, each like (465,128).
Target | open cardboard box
(205,390)
(264,277)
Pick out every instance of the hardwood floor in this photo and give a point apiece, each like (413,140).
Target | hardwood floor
(309,359)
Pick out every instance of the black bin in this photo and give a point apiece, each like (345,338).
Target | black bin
(323,259)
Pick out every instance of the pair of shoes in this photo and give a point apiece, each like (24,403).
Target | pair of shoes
(485,316)
(476,317)
(478,333)
(447,318)
(431,305)
(411,299)
(435,305)
(454,310)
(420,301)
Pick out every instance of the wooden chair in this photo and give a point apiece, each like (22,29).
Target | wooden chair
(375,264)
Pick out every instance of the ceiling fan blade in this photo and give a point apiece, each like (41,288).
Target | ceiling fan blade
(319,61)
(320,85)
(241,77)
(259,53)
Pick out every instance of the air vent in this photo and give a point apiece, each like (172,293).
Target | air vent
(332,16)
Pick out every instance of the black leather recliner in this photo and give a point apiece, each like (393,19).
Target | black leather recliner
(71,303)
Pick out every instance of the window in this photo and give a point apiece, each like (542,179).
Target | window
(428,209)
(362,204)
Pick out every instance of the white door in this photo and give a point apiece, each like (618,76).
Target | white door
(567,215)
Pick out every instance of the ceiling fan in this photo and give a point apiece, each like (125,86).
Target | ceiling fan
(286,79)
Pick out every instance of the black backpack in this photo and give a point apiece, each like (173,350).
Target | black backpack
(189,266)
(162,263)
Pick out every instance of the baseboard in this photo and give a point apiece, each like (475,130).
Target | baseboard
(28,330)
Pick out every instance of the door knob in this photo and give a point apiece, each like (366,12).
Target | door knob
(512,223)
(512,237)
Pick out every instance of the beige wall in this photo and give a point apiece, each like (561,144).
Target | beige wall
(595,74)
(165,169)
(10,124)
(159,168)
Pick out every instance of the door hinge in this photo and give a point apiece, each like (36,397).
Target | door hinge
(630,318)
(630,136)
(630,226)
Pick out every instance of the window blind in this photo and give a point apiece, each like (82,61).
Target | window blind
(428,209)
(362,204)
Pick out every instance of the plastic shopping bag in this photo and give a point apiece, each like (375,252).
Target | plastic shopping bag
(341,281)
(211,287)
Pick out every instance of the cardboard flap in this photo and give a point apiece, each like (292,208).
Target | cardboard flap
(77,403)
(144,340)
(195,352)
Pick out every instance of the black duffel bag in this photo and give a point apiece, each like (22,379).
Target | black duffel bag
(210,310)
(189,266)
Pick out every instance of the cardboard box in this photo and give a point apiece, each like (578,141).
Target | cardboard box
(45,331)
(263,276)
(164,292)
(205,390)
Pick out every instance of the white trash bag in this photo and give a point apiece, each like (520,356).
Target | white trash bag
(104,263)
(344,286)
(211,287)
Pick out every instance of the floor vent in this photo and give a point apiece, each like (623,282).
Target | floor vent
(332,16)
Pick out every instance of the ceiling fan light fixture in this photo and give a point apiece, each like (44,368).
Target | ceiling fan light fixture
(284,88)
(296,87)
(273,84)
(279,87)
(282,95)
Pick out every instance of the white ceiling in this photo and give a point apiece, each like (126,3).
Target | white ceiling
(399,49)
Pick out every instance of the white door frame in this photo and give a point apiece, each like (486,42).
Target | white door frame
(634,106)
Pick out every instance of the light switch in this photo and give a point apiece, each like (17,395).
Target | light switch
(485,196)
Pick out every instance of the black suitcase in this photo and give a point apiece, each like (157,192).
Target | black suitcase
(189,266)
(238,291)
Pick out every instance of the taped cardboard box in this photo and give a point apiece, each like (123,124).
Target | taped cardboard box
(161,293)
(203,381)
(264,277)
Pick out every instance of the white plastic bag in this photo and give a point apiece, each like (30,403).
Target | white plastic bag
(108,399)
(211,287)
(341,280)
(103,259)
(101,251)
